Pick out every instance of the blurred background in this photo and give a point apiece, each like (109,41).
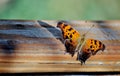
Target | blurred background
(60,9)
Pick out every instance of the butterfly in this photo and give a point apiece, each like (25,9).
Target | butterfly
(74,42)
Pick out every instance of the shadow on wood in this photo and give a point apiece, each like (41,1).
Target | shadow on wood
(55,32)
(8,47)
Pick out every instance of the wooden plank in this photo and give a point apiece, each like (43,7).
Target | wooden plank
(36,47)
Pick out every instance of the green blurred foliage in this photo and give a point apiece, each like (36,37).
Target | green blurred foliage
(61,9)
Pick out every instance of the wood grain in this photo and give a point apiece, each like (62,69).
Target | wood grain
(35,46)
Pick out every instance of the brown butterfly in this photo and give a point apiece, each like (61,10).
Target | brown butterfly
(76,43)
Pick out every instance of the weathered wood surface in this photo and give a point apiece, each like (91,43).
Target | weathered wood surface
(35,46)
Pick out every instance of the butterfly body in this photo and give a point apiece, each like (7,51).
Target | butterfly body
(74,42)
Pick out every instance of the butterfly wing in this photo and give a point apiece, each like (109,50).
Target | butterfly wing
(90,47)
(70,48)
(73,43)
(70,37)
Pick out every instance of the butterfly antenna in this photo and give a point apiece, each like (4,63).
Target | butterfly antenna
(88,30)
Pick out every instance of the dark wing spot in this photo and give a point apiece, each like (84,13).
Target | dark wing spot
(74,32)
(91,46)
(71,36)
(65,25)
(70,29)
(91,42)
(100,44)
(88,50)
(92,50)
(95,42)
(70,40)
(66,37)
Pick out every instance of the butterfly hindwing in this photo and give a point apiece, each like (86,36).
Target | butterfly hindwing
(70,48)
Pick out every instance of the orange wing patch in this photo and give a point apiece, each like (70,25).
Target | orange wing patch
(93,46)
(68,32)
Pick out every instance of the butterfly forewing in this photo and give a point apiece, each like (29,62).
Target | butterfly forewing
(70,37)
(68,32)
(90,47)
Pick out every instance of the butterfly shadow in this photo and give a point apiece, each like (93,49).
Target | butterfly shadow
(53,30)
(7,50)
(8,47)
